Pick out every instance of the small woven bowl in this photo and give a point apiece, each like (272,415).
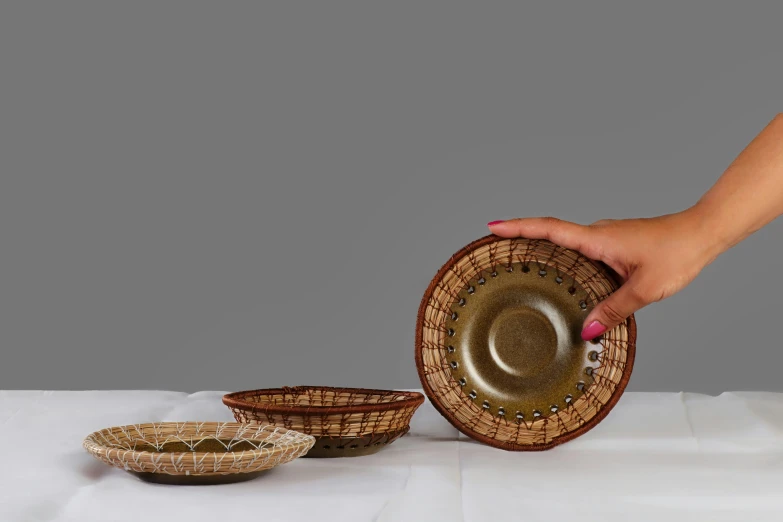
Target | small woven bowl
(346,422)
(530,278)
(193,453)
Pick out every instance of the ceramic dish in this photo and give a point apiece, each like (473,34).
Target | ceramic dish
(197,452)
(346,422)
(499,349)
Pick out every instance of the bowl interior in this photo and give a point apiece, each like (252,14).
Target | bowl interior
(205,445)
(195,438)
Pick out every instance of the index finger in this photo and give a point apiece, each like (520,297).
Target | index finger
(563,233)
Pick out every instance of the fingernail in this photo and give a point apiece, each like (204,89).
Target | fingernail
(592,331)
(492,223)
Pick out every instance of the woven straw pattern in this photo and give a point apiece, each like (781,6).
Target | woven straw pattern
(479,259)
(269,446)
(327,412)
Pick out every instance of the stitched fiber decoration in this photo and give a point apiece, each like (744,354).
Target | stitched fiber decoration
(196,452)
(346,422)
(498,346)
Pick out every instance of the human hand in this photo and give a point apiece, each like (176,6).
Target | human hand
(654,257)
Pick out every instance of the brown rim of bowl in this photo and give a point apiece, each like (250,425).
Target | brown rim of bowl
(587,426)
(235,400)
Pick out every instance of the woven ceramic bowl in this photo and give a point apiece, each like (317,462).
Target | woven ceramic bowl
(192,453)
(346,422)
(499,348)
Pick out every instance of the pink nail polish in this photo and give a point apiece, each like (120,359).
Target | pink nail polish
(491,223)
(593,330)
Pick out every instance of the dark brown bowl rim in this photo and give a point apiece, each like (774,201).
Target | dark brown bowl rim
(475,435)
(235,400)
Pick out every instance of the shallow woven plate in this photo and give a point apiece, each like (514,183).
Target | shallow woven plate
(499,350)
(197,452)
(346,422)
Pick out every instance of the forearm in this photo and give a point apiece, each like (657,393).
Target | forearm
(748,195)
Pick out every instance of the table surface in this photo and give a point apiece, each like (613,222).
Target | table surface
(657,456)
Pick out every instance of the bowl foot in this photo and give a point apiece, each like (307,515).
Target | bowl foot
(196,480)
(336,447)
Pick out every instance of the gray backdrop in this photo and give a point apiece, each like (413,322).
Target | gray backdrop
(201,196)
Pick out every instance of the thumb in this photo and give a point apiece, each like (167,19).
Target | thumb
(614,310)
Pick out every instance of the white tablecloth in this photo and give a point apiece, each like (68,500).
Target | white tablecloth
(657,456)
